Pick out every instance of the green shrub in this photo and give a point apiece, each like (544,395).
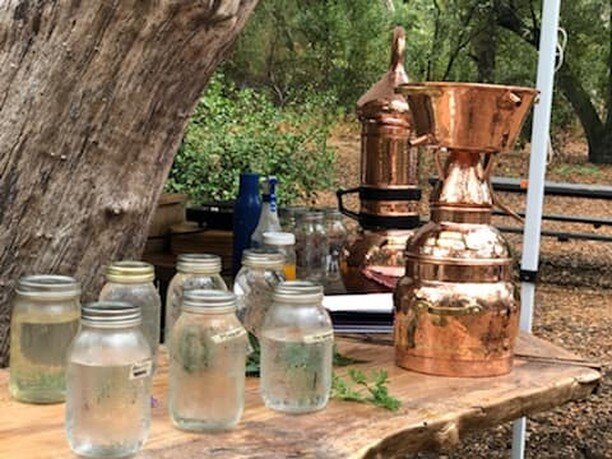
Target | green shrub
(237,130)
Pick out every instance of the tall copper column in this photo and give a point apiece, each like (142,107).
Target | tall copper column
(389,193)
(456,310)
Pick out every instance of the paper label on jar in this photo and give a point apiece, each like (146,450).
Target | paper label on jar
(227,335)
(141,369)
(319,337)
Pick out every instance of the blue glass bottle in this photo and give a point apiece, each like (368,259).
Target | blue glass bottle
(246,215)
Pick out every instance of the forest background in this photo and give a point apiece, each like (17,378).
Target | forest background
(298,68)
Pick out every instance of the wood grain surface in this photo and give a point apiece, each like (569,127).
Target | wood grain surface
(436,412)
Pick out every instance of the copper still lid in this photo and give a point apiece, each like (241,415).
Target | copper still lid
(382,97)
(468,116)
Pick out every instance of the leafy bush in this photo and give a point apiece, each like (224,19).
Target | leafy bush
(237,130)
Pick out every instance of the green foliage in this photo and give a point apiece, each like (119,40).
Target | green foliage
(236,130)
(296,47)
(363,390)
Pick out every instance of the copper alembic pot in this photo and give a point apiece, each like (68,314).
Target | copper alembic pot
(457,309)
(389,194)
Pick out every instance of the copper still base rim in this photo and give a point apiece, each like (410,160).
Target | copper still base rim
(454,368)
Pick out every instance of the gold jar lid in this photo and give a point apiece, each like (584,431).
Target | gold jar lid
(130,272)
(49,286)
(198,263)
(263,258)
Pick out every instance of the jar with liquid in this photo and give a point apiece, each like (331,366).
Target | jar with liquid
(44,321)
(195,271)
(108,402)
(285,244)
(207,362)
(312,247)
(297,341)
(132,282)
(261,272)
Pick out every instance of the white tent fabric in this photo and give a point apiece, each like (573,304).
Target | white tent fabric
(535,187)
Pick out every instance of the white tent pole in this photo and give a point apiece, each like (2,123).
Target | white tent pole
(535,184)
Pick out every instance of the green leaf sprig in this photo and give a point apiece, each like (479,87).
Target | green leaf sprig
(360,389)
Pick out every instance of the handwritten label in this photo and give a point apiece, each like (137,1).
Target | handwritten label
(227,335)
(141,369)
(319,337)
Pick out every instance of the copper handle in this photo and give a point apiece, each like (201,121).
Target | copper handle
(438,162)
(471,307)
(422,140)
(509,100)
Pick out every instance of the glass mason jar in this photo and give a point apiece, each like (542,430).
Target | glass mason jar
(44,321)
(285,244)
(297,341)
(312,247)
(108,401)
(207,362)
(290,218)
(194,271)
(337,235)
(261,272)
(132,282)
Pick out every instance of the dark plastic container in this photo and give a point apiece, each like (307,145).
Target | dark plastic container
(246,215)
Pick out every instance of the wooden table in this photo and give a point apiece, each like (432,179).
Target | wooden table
(435,412)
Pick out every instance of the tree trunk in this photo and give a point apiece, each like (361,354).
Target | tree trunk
(600,149)
(94,97)
(484,44)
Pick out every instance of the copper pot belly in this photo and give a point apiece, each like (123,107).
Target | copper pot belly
(454,326)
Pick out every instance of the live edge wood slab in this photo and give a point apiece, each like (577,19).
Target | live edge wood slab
(436,412)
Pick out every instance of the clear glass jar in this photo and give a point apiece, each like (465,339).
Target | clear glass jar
(312,247)
(195,271)
(290,217)
(337,235)
(132,282)
(285,244)
(108,401)
(261,272)
(207,362)
(297,342)
(44,321)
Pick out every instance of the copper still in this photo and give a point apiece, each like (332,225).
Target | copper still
(389,194)
(457,309)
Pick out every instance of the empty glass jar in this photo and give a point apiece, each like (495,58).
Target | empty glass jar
(337,235)
(44,321)
(261,272)
(132,282)
(194,271)
(207,362)
(297,341)
(312,247)
(108,405)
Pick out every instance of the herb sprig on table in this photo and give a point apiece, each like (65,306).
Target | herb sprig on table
(359,389)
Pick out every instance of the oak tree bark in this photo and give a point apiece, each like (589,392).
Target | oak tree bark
(94,97)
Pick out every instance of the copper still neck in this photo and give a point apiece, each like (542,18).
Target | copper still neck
(389,193)
(463,193)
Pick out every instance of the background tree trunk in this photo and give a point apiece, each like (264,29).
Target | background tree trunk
(94,97)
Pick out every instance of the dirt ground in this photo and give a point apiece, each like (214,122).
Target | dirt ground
(573,304)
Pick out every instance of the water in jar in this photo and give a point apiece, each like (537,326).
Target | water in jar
(39,344)
(207,391)
(109,411)
(296,369)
